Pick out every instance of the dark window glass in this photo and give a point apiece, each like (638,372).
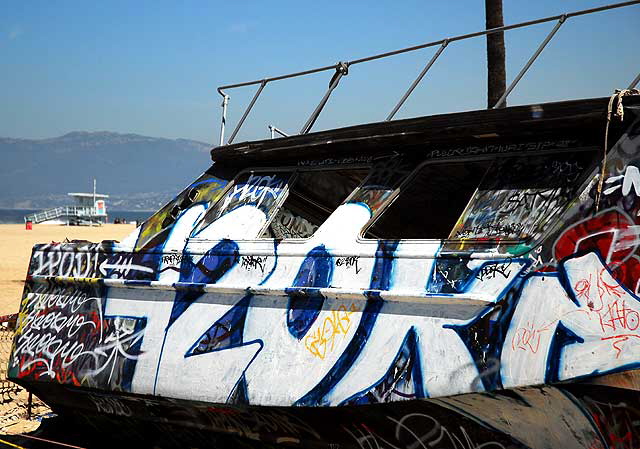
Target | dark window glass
(505,198)
(313,196)
(429,206)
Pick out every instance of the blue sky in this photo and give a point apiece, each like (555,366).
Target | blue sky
(152,67)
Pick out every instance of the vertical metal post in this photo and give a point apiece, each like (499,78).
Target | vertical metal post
(271,131)
(531,61)
(418,79)
(225,101)
(29,404)
(635,82)
(246,111)
(342,69)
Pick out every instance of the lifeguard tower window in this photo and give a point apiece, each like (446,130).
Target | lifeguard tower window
(313,196)
(507,198)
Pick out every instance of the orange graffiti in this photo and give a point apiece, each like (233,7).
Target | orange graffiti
(618,316)
(527,338)
(618,339)
(323,339)
(605,302)
(608,304)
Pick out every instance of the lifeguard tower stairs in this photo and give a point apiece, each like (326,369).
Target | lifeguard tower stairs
(90,209)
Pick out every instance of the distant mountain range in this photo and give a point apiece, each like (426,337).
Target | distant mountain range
(138,172)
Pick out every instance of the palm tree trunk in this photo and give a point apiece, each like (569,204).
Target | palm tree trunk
(496,72)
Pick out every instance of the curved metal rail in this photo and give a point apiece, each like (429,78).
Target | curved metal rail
(342,68)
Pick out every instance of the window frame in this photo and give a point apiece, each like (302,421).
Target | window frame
(586,176)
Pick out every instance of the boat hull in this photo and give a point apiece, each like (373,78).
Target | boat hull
(572,416)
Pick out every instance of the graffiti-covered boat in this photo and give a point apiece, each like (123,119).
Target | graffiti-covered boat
(473,277)
(465,280)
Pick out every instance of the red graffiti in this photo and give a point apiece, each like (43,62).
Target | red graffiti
(614,235)
(605,299)
(222,410)
(611,233)
(618,423)
(618,340)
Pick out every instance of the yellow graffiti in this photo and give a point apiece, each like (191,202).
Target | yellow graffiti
(84,281)
(322,340)
(24,304)
(209,190)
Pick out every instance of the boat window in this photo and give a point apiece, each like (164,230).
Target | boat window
(429,206)
(507,198)
(313,196)
(385,177)
(264,191)
(521,195)
(205,190)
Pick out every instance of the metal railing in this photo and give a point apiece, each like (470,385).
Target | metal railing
(45,215)
(69,211)
(7,330)
(342,69)
(273,130)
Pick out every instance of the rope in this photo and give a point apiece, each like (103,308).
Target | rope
(619,113)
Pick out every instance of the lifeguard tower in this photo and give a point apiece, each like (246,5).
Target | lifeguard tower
(90,209)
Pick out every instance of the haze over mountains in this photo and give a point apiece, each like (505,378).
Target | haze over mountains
(138,172)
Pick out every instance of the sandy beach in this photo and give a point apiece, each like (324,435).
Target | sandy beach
(16,243)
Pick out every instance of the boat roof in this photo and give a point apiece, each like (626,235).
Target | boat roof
(583,120)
